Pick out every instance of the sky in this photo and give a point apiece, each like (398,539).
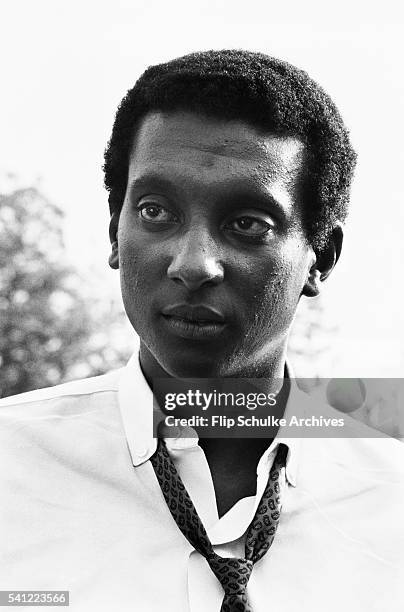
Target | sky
(66,65)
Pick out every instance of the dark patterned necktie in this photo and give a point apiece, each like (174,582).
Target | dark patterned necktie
(232,573)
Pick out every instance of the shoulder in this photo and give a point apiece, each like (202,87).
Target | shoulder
(71,422)
(355,446)
(67,394)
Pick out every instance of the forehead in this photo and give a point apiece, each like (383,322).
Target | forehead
(213,146)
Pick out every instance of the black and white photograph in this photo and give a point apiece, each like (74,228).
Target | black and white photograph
(201,306)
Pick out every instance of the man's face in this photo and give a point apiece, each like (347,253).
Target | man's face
(211,248)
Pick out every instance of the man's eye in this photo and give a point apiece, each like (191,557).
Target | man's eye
(156,213)
(249,226)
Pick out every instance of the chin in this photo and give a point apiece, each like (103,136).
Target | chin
(189,367)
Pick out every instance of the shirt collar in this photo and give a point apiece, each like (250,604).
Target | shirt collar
(136,406)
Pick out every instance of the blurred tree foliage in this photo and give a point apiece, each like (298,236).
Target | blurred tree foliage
(51,328)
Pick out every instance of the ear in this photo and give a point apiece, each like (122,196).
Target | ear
(113,259)
(324,263)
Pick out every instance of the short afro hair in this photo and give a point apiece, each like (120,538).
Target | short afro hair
(267,93)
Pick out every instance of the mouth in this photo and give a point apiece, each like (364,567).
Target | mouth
(194,322)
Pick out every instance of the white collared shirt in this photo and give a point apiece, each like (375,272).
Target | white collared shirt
(81,510)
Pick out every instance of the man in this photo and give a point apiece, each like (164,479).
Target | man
(229,175)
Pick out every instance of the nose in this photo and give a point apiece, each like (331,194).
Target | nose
(195,262)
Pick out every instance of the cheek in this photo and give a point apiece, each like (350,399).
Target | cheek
(129,265)
(134,275)
(276,295)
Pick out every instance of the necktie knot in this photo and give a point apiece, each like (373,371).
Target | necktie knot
(232,573)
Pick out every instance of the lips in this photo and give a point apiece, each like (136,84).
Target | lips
(193,322)
(194,314)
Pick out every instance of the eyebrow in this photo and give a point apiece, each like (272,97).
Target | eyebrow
(238,190)
(153,180)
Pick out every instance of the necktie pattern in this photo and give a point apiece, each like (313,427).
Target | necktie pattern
(232,573)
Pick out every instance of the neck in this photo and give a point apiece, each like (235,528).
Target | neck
(231,450)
